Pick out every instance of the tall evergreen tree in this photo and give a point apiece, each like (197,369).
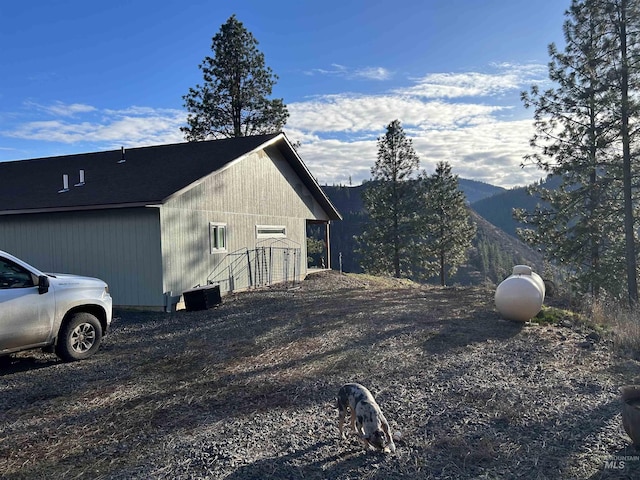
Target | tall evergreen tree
(447,225)
(622,18)
(389,241)
(233,100)
(577,134)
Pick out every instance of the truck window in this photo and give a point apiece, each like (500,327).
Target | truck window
(14,276)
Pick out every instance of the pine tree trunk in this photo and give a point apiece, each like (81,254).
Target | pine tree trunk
(632,282)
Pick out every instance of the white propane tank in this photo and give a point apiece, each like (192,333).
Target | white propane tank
(520,296)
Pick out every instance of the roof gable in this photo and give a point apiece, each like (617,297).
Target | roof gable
(149,175)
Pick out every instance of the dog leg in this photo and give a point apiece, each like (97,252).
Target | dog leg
(353,421)
(387,431)
(341,426)
(342,412)
(362,436)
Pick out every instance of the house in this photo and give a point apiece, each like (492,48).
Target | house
(156,221)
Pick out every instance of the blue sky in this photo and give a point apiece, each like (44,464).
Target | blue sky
(84,76)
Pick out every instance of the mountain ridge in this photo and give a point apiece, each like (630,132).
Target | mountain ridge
(348,198)
(495,251)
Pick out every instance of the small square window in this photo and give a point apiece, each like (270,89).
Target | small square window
(218,237)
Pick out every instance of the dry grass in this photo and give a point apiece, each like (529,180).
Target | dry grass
(625,328)
(623,324)
(247,390)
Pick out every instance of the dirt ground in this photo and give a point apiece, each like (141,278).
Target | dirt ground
(246,391)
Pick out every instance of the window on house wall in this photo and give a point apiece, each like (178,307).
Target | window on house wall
(271,231)
(218,237)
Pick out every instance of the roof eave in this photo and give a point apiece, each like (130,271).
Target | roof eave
(77,208)
(308,178)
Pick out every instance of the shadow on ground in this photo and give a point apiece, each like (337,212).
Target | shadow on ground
(12,364)
(622,464)
(351,463)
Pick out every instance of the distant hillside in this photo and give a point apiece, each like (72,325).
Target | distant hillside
(498,209)
(349,199)
(345,199)
(492,256)
(476,191)
(494,253)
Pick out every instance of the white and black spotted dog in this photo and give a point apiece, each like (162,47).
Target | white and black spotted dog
(367,419)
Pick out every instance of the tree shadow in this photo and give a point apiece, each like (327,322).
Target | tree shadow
(314,463)
(622,464)
(544,449)
(461,332)
(186,372)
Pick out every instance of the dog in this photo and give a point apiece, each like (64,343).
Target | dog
(367,419)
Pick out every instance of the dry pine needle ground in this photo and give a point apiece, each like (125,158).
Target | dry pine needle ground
(246,390)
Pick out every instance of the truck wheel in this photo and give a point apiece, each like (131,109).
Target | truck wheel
(79,337)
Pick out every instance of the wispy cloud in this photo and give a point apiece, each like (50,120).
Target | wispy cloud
(470,119)
(373,73)
(334,70)
(132,126)
(507,78)
(366,73)
(457,85)
(490,152)
(61,109)
(363,113)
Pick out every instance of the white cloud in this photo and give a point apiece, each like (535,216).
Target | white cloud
(472,120)
(461,118)
(373,73)
(489,152)
(508,78)
(342,113)
(452,85)
(335,161)
(61,109)
(133,126)
(367,73)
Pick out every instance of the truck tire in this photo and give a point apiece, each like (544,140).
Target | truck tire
(79,337)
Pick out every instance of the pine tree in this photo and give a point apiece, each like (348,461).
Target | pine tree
(447,225)
(389,241)
(233,100)
(578,135)
(622,19)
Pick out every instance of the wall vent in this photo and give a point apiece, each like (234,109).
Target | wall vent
(81,182)
(65,183)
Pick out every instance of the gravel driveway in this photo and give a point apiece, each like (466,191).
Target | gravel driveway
(246,391)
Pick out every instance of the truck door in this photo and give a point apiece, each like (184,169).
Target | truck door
(24,312)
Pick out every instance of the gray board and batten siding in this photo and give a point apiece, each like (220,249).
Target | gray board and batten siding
(142,219)
(261,189)
(120,246)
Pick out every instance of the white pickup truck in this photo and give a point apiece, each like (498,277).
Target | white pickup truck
(65,314)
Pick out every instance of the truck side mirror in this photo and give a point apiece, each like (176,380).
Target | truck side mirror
(43,284)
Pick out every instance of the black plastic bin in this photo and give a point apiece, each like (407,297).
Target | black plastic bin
(202,298)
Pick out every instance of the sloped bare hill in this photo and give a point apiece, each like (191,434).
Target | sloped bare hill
(247,390)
